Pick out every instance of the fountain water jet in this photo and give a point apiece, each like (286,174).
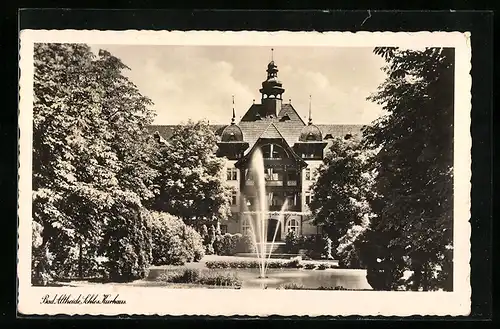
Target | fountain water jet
(259,230)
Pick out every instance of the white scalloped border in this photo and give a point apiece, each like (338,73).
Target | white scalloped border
(211,302)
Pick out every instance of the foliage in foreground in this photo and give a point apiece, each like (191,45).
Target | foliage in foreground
(295,286)
(272,263)
(91,178)
(174,243)
(413,188)
(196,276)
(342,191)
(314,246)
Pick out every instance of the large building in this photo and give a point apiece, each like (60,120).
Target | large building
(292,150)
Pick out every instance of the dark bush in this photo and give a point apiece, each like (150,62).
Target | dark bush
(323,266)
(292,243)
(188,276)
(209,278)
(295,263)
(127,243)
(226,245)
(174,243)
(245,244)
(310,266)
(294,286)
(193,244)
(220,279)
(317,247)
(291,286)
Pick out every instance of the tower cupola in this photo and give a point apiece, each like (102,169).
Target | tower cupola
(272,90)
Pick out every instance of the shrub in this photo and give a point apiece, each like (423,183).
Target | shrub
(323,266)
(209,241)
(127,243)
(226,245)
(220,279)
(193,244)
(188,276)
(317,247)
(291,286)
(310,266)
(295,263)
(294,286)
(292,242)
(210,278)
(327,248)
(245,244)
(174,243)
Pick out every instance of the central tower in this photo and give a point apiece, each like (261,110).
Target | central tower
(272,91)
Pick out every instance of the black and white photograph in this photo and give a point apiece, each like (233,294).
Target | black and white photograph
(244,173)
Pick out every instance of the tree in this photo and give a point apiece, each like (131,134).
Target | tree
(341,190)
(190,184)
(89,156)
(412,229)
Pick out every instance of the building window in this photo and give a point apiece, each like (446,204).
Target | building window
(308,173)
(273,151)
(308,155)
(275,199)
(249,174)
(223,229)
(292,199)
(250,201)
(245,227)
(293,225)
(232,174)
(234,198)
(274,174)
(308,197)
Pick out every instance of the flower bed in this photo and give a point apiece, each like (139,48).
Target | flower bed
(276,264)
(294,286)
(196,276)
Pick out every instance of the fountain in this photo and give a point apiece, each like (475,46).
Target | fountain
(258,218)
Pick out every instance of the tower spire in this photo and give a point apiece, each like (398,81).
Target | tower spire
(310,116)
(232,119)
(272,54)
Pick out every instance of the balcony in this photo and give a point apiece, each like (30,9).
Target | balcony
(273,183)
(289,208)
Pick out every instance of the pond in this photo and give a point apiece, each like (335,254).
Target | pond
(346,278)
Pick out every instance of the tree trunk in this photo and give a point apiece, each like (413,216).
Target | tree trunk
(417,277)
(80,260)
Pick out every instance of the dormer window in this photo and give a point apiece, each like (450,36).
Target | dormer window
(310,137)
(285,118)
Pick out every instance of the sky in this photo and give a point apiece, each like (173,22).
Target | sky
(197,82)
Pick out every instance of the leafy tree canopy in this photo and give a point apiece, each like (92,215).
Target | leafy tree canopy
(342,188)
(414,183)
(90,152)
(190,184)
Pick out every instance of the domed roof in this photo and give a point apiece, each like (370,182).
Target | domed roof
(271,65)
(272,82)
(232,133)
(310,133)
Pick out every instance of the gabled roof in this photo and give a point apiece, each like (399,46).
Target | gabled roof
(288,110)
(251,113)
(271,132)
(166,131)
